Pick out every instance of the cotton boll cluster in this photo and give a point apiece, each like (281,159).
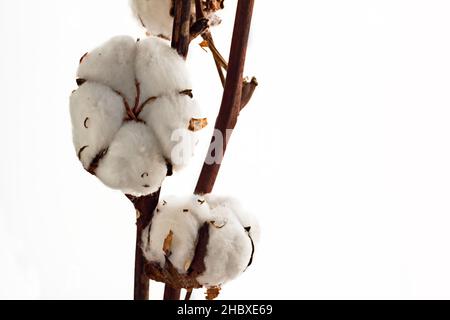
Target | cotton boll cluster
(174,232)
(157,15)
(133,98)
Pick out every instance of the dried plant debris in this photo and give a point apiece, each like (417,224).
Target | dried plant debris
(125,114)
(198,124)
(213,293)
(232,237)
(156,16)
(168,244)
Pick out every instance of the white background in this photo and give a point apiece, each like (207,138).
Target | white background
(343,153)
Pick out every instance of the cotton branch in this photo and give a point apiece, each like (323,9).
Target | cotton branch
(233,95)
(181,36)
(145,208)
(249,87)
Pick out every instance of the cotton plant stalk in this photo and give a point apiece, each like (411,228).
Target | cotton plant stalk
(132,97)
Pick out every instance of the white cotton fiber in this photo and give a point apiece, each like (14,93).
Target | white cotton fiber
(126,139)
(169,117)
(97,114)
(134,163)
(247,220)
(154,15)
(178,216)
(160,69)
(230,248)
(112,64)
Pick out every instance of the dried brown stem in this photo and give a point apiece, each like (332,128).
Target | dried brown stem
(188,294)
(181,36)
(231,103)
(145,208)
(199,27)
(171,294)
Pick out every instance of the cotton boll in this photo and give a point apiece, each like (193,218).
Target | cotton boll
(97,114)
(134,163)
(174,218)
(169,117)
(154,15)
(157,15)
(160,69)
(112,64)
(229,249)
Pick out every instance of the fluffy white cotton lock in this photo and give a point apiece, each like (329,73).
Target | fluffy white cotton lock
(229,251)
(169,117)
(154,15)
(97,115)
(247,220)
(134,163)
(112,64)
(169,73)
(175,220)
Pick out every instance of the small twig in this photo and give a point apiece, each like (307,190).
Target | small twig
(200,14)
(232,99)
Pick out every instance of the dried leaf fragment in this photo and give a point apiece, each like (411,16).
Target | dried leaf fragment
(204,44)
(213,293)
(187,265)
(198,124)
(168,243)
